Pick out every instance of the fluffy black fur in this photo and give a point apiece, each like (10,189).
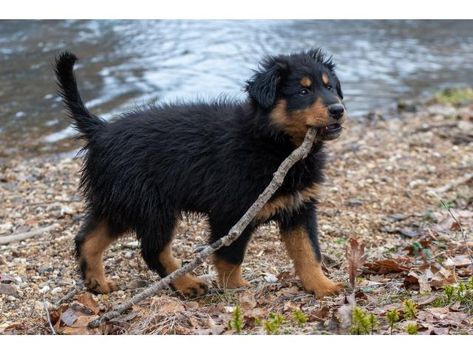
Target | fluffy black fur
(142,170)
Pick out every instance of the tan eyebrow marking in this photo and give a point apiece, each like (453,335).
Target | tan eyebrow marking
(325,79)
(306,82)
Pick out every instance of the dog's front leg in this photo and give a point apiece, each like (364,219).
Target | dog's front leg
(299,234)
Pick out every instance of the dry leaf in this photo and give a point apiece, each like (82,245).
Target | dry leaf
(168,305)
(247,300)
(356,259)
(319,314)
(458,261)
(429,276)
(388,266)
(80,326)
(88,301)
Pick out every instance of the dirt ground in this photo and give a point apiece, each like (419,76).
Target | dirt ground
(401,186)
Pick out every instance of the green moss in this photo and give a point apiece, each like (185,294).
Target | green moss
(299,317)
(236,322)
(392,317)
(273,324)
(454,96)
(363,322)
(411,328)
(410,309)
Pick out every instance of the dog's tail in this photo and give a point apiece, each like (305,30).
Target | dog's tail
(85,122)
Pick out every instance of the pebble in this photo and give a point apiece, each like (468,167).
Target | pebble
(8,289)
(45,289)
(56,290)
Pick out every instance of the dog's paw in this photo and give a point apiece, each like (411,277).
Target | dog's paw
(190,286)
(323,287)
(326,288)
(100,285)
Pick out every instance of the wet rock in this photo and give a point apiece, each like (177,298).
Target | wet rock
(8,289)
(406,106)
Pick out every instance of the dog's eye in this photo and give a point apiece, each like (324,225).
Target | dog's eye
(329,87)
(303,92)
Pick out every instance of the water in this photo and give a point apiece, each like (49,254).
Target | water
(124,63)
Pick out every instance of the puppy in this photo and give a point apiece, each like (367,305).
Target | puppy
(147,167)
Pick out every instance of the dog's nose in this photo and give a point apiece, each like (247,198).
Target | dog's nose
(336,111)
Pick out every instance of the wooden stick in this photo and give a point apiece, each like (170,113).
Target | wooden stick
(278,178)
(22,236)
(45,306)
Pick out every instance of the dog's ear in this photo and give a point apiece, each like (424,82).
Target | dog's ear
(263,85)
(338,87)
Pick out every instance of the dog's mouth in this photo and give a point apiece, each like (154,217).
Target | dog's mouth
(332,131)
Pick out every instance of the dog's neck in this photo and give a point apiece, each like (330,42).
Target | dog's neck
(257,122)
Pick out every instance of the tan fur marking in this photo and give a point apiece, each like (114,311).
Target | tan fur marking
(306,82)
(325,79)
(307,268)
(92,253)
(288,202)
(296,123)
(229,275)
(188,285)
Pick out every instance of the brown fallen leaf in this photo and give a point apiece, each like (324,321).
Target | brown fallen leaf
(6,327)
(247,300)
(355,254)
(458,261)
(451,223)
(88,301)
(429,276)
(388,266)
(165,305)
(80,326)
(413,248)
(320,314)
(425,300)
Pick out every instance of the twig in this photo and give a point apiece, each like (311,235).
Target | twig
(45,306)
(22,236)
(67,297)
(278,178)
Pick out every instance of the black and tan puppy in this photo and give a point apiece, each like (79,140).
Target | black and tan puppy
(145,168)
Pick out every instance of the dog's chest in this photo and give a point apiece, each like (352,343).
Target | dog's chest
(288,202)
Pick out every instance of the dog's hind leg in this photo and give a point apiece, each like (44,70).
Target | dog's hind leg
(91,242)
(227,260)
(156,241)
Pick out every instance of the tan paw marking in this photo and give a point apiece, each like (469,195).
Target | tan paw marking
(100,285)
(190,286)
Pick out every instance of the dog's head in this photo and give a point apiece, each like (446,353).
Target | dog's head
(300,91)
